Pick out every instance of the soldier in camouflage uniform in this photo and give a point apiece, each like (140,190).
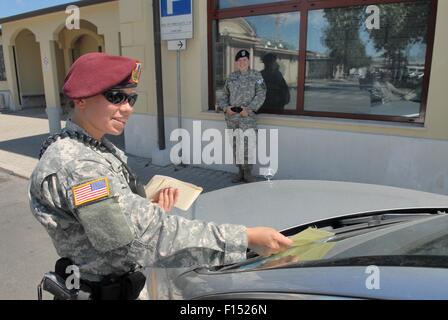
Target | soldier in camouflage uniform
(244,88)
(87,198)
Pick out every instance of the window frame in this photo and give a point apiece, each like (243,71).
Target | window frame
(303,6)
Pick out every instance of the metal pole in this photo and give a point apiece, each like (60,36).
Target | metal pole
(179,102)
(179,92)
(159,80)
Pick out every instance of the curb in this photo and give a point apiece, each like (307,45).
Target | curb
(14,173)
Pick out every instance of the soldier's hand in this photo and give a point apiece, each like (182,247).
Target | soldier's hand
(245,113)
(167,198)
(229,111)
(267,241)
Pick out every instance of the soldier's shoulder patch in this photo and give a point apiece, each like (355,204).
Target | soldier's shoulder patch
(90,191)
(260,81)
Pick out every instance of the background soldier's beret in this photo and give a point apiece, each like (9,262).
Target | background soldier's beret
(95,73)
(242,54)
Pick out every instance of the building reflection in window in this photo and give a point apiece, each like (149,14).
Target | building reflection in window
(273,42)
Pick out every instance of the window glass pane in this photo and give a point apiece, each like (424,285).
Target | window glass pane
(273,42)
(2,65)
(224,4)
(351,68)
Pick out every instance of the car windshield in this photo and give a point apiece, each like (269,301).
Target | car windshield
(416,236)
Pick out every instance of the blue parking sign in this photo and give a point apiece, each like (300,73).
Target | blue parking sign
(170,8)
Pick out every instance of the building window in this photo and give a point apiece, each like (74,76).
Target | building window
(273,41)
(329,58)
(2,65)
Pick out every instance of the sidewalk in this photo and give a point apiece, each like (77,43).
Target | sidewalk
(22,133)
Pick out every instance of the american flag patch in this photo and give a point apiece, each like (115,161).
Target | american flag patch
(91,191)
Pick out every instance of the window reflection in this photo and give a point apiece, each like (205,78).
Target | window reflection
(352,69)
(224,4)
(273,43)
(277,90)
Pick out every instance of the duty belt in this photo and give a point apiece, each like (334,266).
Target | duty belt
(125,287)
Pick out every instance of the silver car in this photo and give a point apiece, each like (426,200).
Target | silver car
(379,243)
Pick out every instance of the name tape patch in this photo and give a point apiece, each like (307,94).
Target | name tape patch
(91,191)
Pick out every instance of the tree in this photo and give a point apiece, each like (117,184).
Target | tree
(342,38)
(401,25)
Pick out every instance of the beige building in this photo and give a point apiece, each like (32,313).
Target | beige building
(4,92)
(402,143)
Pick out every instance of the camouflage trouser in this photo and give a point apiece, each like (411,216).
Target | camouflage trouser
(244,141)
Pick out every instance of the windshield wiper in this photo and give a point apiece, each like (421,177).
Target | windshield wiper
(351,227)
(423,261)
(364,221)
(415,261)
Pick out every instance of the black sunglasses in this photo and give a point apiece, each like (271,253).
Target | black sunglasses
(120,97)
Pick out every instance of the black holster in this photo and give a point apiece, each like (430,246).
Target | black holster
(125,287)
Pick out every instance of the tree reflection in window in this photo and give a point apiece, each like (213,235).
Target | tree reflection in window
(352,69)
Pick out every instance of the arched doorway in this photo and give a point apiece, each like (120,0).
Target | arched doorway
(71,44)
(28,67)
(74,43)
(85,44)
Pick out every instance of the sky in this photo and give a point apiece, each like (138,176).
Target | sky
(282,27)
(13,7)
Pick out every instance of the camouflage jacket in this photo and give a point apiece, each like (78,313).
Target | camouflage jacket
(114,230)
(244,90)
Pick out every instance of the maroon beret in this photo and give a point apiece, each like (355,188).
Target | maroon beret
(94,73)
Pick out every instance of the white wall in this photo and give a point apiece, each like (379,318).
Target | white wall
(318,154)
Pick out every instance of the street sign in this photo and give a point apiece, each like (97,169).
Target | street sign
(176,19)
(176,45)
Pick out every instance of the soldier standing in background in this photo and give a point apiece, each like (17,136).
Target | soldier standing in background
(244,93)
(93,207)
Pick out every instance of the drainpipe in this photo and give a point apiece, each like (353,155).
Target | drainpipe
(14,56)
(159,80)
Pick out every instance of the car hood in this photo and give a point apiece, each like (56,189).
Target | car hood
(323,282)
(284,203)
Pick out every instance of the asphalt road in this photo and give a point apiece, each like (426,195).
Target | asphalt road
(26,251)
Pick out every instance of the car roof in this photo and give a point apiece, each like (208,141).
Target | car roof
(285,203)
